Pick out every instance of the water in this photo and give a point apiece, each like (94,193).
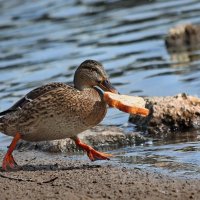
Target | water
(179,157)
(43,41)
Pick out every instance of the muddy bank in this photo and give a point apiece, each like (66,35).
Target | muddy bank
(105,137)
(45,176)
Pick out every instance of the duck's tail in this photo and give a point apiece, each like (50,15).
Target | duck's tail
(2,114)
(1,124)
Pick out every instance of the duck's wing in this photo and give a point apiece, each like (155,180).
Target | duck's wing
(33,95)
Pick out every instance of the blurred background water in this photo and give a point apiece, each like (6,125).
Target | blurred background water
(45,40)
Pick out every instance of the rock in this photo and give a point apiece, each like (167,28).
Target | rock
(181,41)
(98,137)
(169,114)
(183,36)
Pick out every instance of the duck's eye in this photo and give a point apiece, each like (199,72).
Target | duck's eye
(106,81)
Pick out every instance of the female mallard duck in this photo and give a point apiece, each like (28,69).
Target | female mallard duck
(58,111)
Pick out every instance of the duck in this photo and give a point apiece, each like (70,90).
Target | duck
(58,111)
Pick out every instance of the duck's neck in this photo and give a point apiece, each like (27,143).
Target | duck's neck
(97,105)
(79,81)
(99,91)
(81,86)
(78,85)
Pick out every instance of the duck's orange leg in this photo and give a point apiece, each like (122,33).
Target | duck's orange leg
(92,153)
(8,161)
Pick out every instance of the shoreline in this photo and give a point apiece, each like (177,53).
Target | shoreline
(57,176)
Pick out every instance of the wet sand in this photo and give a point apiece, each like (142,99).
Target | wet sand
(56,176)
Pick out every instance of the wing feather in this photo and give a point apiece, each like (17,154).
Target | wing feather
(35,93)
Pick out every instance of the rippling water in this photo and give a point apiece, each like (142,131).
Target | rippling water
(175,157)
(43,41)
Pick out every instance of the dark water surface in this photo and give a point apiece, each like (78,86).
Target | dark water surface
(45,40)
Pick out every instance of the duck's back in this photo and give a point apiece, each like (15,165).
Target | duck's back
(59,113)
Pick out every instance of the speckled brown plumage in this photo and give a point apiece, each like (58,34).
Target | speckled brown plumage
(57,111)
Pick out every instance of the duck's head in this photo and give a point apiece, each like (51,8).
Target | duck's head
(92,74)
